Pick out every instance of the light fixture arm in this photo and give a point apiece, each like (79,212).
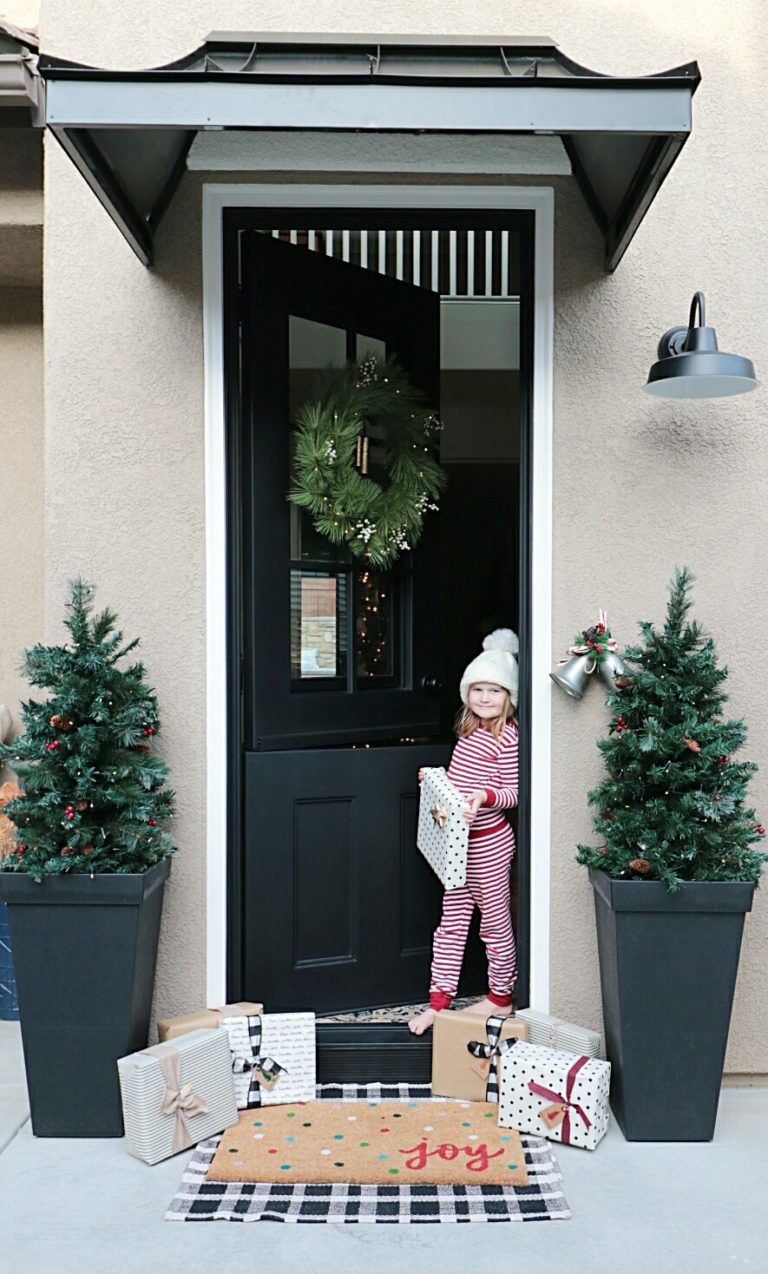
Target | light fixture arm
(697,303)
(679,340)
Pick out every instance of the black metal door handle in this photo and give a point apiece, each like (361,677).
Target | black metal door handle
(431,685)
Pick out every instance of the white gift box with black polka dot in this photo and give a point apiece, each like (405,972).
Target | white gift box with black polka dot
(443,833)
(562,1096)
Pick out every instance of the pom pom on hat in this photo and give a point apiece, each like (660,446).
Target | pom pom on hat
(496,664)
(502,639)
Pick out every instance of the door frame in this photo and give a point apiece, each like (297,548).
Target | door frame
(537,491)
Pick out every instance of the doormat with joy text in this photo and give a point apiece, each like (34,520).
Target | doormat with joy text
(372,1143)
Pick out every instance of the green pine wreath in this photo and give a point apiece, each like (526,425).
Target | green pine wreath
(378,522)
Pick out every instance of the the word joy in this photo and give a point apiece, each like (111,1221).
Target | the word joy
(478,1156)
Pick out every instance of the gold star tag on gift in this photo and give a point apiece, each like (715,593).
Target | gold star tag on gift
(439,815)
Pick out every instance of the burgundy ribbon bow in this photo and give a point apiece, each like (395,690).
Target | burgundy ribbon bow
(560,1111)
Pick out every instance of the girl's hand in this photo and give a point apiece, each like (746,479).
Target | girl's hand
(475,800)
(421,775)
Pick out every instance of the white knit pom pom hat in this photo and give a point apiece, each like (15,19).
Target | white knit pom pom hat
(496,664)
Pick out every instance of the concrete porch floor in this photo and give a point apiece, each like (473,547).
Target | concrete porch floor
(76,1207)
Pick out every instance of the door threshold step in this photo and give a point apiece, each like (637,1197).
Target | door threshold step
(372,1052)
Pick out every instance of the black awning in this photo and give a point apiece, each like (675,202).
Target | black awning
(129,132)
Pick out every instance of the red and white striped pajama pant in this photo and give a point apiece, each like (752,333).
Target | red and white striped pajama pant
(488,861)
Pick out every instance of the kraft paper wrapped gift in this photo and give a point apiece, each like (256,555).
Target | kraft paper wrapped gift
(176,1094)
(272,1058)
(443,833)
(168,1028)
(466,1050)
(555,1032)
(562,1096)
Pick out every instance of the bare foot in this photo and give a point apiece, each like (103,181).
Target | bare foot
(486,1008)
(422,1022)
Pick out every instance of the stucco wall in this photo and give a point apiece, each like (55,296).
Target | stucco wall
(663,483)
(21,437)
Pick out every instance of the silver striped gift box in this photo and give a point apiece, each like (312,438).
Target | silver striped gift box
(555,1032)
(177,1094)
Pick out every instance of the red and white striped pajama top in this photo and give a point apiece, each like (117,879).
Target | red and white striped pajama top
(483,762)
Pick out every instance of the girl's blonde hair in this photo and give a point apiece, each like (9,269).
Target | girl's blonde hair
(467,721)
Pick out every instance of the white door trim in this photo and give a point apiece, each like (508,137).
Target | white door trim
(538,199)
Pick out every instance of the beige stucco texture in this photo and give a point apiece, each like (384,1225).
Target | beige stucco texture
(21,432)
(639,485)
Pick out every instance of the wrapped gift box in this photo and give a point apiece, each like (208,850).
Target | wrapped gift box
(555,1032)
(272,1057)
(176,1094)
(443,833)
(562,1096)
(168,1028)
(466,1050)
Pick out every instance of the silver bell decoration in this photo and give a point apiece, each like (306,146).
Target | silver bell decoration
(596,651)
(572,675)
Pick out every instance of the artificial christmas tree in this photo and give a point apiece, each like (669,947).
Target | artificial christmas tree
(671,807)
(93,795)
(673,877)
(84,883)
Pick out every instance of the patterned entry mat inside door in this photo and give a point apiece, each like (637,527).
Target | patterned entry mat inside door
(398,1013)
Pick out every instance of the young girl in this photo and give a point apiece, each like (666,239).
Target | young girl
(484,769)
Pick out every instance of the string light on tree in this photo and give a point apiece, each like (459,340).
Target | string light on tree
(372,624)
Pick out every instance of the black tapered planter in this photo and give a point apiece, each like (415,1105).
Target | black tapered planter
(668,965)
(84,950)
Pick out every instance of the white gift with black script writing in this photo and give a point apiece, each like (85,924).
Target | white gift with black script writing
(562,1096)
(443,833)
(273,1058)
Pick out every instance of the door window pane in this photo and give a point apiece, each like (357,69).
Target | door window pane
(375,629)
(313,348)
(365,345)
(318,625)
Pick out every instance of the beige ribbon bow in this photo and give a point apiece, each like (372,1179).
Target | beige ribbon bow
(178,1098)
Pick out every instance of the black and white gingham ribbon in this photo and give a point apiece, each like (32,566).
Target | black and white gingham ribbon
(256,1063)
(493,1050)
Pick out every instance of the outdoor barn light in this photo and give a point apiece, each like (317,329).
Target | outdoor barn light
(691,366)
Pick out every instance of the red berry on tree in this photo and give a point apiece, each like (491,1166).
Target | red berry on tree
(152,822)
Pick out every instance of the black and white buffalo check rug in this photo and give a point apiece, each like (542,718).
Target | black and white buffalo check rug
(541,1200)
